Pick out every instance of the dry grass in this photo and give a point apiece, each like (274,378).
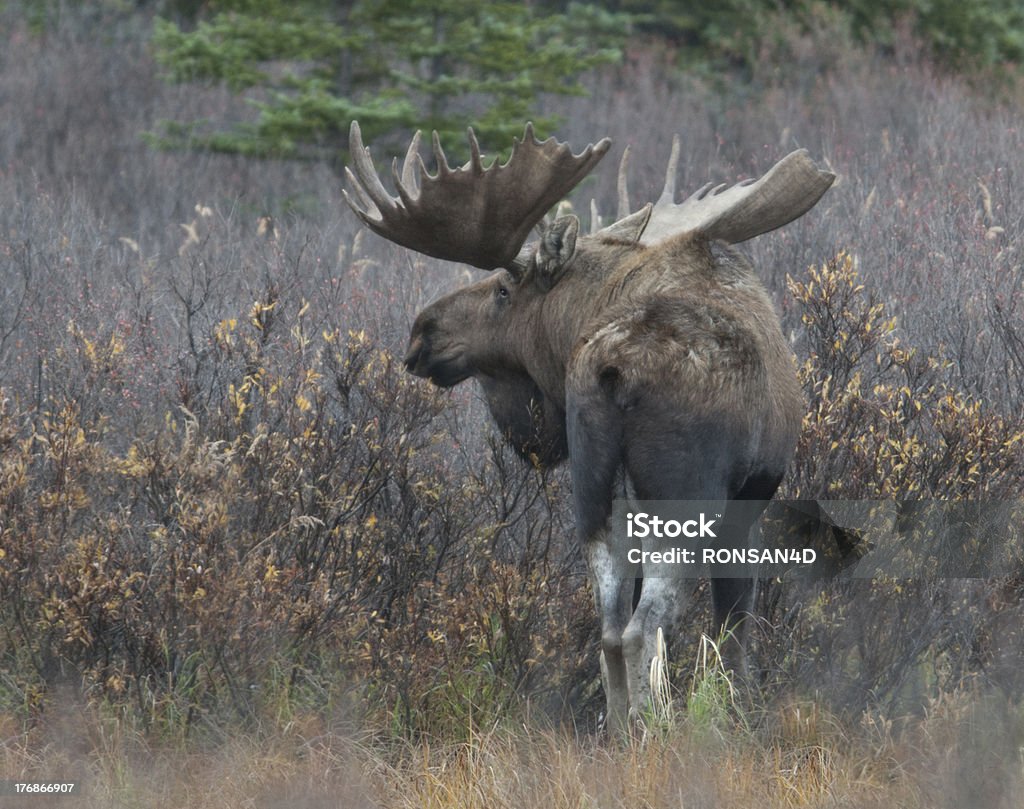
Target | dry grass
(706,751)
(792,756)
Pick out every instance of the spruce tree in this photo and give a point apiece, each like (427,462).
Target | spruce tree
(309,68)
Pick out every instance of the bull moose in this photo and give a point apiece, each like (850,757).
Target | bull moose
(647,353)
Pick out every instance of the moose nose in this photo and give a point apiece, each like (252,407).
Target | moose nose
(412,356)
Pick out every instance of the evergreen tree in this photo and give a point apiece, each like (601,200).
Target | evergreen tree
(311,67)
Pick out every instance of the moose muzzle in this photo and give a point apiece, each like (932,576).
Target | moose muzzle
(414,355)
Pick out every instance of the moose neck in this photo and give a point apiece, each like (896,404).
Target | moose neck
(558,318)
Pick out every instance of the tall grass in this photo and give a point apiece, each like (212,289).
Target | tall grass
(797,755)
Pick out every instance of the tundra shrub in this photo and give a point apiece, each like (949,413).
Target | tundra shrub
(299,516)
(885,421)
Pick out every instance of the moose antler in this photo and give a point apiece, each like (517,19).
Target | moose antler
(735,213)
(476,215)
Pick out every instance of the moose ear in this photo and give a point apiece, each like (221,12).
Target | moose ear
(557,246)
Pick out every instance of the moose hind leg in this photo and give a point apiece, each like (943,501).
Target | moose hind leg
(662,468)
(732,599)
(612,585)
(594,439)
(732,603)
(666,590)
(662,601)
